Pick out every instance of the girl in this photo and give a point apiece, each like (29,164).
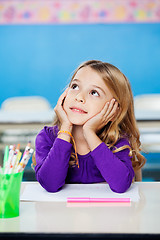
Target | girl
(94,138)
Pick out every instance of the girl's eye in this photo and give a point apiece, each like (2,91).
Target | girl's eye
(74,86)
(94,93)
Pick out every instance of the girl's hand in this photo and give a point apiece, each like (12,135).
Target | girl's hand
(61,114)
(108,113)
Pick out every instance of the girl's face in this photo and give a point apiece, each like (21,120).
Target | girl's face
(86,96)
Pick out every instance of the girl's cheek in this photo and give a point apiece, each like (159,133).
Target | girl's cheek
(69,91)
(70,95)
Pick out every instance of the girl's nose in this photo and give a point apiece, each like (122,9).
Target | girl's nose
(80,98)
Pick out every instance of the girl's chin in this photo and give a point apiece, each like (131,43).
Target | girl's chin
(79,123)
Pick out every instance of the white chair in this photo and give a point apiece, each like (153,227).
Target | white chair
(29,103)
(147,102)
(26,110)
(147,108)
(22,117)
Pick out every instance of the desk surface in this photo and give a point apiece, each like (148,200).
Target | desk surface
(141,217)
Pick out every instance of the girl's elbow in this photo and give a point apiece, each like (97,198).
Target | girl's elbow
(53,189)
(50,187)
(120,189)
(122,185)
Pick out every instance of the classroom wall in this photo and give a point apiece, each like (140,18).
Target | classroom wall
(39,59)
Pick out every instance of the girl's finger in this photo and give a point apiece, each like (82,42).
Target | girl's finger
(61,98)
(111,105)
(105,108)
(108,107)
(113,112)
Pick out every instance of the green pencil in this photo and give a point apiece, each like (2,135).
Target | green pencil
(6,154)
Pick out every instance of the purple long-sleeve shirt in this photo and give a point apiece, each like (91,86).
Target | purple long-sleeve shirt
(100,165)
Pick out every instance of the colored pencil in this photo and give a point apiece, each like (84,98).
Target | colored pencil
(97,200)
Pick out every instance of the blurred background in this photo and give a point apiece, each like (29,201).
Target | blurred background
(42,43)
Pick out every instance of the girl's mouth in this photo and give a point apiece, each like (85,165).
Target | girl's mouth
(78,110)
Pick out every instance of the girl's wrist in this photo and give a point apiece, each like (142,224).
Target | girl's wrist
(64,135)
(66,127)
(62,132)
(92,139)
(88,130)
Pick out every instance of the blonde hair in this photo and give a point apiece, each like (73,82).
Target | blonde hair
(124,126)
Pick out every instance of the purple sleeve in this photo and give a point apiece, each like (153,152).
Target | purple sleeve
(52,157)
(116,168)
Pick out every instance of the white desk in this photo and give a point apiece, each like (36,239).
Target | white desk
(56,219)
